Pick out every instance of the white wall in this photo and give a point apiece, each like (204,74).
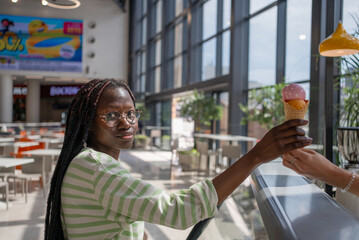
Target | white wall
(111,35)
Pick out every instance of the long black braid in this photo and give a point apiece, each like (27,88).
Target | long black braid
(79,119)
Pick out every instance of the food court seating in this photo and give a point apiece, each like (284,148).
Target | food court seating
(227,154)
(5,186)
(204,151)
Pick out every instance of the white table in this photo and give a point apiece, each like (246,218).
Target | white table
(13,162)
(7,139)
(225,137)
(44,153)
(14,146)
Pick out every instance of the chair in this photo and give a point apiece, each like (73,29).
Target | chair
(7,174)
(228,153)
(154,134)
(202,148)
(5,185)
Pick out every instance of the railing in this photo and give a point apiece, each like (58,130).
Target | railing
(292,207)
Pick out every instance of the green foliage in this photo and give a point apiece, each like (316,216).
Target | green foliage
(145,114)
(190,152)
(264,106)
(166,137)
(200,108)
(141,137)
(349,110)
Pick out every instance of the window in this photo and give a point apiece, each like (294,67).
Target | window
(297,65)
(262,49)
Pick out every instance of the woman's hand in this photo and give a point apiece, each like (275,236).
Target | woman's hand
(279,140)
(308,163)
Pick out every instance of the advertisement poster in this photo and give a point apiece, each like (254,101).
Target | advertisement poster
(40,44)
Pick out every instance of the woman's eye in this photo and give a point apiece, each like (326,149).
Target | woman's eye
(111,115)
(131,114)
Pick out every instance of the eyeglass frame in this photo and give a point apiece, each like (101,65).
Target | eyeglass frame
(121,116)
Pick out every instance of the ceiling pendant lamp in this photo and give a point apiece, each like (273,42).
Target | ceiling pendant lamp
(340,43)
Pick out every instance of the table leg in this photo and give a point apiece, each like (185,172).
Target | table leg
(43,176)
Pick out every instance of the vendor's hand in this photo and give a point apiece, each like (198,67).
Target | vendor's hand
(279,140)
(308,163)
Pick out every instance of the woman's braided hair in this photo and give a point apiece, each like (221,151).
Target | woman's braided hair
(79,119)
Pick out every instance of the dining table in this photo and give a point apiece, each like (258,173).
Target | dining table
(6,162)
(44,154)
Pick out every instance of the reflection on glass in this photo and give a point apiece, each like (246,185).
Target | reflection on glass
(178,72)
(144,31)
(159,16)
(209,59)
(226,41)
(256,5)
(158,79)
(297,65)
(179,6)
(158,53)
(226,13)
(178,38)
(262,49)
(209,19)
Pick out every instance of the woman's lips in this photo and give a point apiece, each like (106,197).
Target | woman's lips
(126,137)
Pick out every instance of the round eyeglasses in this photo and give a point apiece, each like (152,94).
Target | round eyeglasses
(112,119)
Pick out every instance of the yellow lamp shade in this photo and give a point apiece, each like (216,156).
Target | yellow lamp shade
(340,43)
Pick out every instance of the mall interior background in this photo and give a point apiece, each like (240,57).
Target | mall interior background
(165,49)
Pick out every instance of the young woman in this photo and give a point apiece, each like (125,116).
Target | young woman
(313,165)
(93,197)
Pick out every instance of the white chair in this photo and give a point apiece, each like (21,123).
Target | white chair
(5,186)
(204,151)
(155,133)
(7,174)
(228,153)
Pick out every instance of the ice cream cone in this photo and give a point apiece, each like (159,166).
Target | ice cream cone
(293,113)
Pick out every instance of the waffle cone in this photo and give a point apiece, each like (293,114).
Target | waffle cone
(293,113)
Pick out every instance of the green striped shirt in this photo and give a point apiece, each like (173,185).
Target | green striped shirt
(100,200)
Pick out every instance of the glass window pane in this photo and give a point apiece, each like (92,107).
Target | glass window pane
(138,64)
(256,5)
(298,40)
(158,53)
(179,6)
(262,49)
(209,19)
(143,83)
(158,79)
(159,16)
(144,6)
(226,13)
(178,38)
(144,31)
(209,59)
(351,25)
(143,62)
(226,45)
(178,72)
(185,33)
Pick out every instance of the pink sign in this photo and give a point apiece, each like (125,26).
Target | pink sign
(73,28)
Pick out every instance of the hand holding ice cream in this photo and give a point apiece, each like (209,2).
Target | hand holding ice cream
(295,104)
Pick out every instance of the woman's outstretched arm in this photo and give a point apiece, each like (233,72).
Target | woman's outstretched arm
(313,165)
(279,140)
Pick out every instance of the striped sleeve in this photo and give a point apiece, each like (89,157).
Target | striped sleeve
(128,199)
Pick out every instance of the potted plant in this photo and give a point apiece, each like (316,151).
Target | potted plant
(200,108)
(141,141)
(264,106)
(166,141)
(188,160)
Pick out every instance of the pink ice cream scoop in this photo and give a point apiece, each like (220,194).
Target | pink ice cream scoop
(293,92)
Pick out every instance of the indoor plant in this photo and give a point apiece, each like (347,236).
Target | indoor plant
(200,108)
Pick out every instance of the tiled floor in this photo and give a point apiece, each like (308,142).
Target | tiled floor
(26,221)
